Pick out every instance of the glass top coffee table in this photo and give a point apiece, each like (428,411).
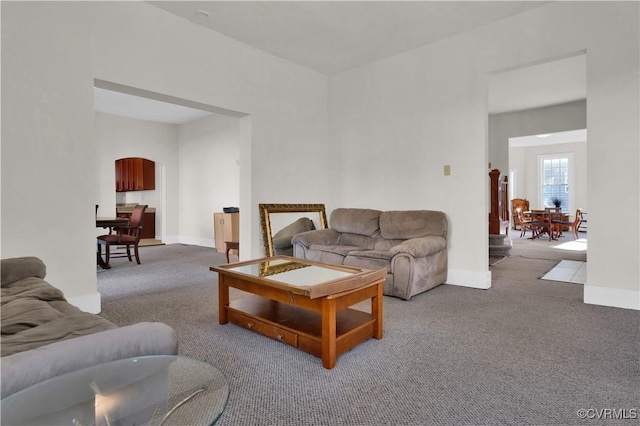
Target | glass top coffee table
(303,303)
(149,390)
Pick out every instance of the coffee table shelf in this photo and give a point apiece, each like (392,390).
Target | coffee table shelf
(299,327)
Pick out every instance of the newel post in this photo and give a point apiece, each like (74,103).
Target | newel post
(494,216)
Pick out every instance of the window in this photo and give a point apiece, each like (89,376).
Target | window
(556,179)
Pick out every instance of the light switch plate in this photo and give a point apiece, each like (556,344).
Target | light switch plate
(447,169)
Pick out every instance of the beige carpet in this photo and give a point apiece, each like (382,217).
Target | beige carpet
(531,259)
(145,242)
(525,352)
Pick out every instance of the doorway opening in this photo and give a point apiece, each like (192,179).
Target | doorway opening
(537,112)
(196,148)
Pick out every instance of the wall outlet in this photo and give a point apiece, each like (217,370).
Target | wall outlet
(447,169)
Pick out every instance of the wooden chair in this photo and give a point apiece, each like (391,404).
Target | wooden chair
(525,223)
(559,225)
(582,226)
(124,236)
(523,205)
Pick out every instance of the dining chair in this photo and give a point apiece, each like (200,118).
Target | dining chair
(523,205)
(559,225)
(524,222)
(127,236)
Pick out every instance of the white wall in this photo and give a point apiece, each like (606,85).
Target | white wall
(48,150)
(51,54)
(552,119)
(556,118)
(393,125)
(120,137)
(209,175)
(396,123)
(525,160)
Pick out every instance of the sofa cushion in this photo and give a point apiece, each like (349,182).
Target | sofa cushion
(369,259)
(59,329)
(386,245)
(330,253)
(412,224)
(357,240)
(356,221)
(338,249)
(32,288)
(23,314)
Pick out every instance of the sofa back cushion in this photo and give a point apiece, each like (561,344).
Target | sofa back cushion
(412,224)
(356,221)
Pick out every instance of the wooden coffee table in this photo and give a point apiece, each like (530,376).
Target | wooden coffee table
(303,303)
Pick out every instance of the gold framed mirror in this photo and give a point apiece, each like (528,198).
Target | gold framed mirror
(282,221)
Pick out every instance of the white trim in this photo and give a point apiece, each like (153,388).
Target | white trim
(614,297)
(89,303)
(171,239)
(473,279)
(513,184)
(190,240)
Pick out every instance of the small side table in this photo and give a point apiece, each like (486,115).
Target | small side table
(231,245)
(146,390)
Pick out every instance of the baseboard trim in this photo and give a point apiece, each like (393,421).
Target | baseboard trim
(473,279)
(193,241)
(171,239)
(89,303)
(612,297)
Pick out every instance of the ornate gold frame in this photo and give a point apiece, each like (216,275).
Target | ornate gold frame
(265,222)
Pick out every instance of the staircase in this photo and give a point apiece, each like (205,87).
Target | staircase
(499,245)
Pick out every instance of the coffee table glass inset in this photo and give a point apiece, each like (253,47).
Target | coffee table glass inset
(148,390)
(303,303)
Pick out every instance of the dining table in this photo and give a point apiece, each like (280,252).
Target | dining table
(544,219)
(108,223)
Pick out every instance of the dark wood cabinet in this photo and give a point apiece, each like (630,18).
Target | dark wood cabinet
(135,174)
(148,223)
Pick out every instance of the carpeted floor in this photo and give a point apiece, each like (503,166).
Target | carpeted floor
(523,352)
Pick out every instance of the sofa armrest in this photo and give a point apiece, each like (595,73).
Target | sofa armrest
(325,236)
(24,369)
(19,268)
(420,247)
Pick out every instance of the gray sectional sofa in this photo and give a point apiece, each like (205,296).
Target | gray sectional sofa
(43,335)
(411,245)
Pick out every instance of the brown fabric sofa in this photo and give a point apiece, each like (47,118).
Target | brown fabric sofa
(43,335)
(411,245)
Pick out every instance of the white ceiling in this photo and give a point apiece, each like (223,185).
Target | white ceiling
(569,136)
(333,36)
(126,105)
